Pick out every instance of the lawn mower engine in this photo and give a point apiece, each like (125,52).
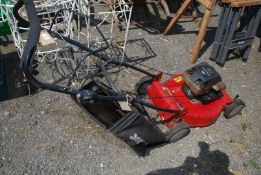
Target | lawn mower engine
(199,93)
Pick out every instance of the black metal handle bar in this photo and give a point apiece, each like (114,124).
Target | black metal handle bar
(29,50)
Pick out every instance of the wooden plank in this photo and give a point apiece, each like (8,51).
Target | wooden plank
(206,3)
(202,32)
(179,13)
(165,7)
(245,3)
(230,1)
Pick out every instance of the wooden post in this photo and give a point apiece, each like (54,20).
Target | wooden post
(202,32)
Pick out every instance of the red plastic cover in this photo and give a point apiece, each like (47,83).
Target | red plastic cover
(169,95)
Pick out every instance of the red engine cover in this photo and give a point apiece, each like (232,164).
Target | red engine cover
(169,95)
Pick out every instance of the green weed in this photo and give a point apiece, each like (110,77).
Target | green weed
(246,125)
(251,164)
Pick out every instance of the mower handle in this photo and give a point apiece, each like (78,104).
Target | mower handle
(134,99)
(29,51)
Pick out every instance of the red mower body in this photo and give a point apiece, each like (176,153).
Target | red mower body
(170,95)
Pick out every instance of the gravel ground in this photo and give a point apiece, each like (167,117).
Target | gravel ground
(47,133)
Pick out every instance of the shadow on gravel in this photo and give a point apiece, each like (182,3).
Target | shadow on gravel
(208,162)
(145,51)
(150,19)
(14,76)
(258,34)
(143,18)
(208,39)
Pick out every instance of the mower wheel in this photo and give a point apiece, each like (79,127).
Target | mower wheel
(233,108)
(141,86)
(178,132)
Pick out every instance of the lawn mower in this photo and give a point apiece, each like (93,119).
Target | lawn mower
(193,99)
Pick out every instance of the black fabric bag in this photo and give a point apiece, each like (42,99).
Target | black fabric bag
(138,132)
(133,127)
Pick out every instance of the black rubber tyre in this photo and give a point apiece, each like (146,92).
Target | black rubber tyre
(233,108)
(179,135)
(178,132)
(141,86)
